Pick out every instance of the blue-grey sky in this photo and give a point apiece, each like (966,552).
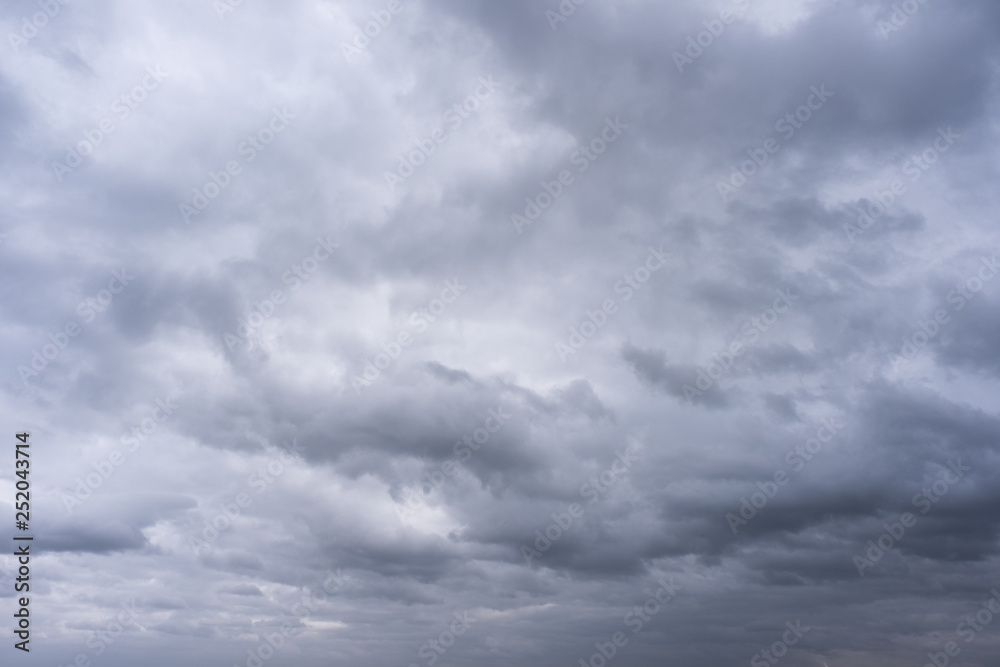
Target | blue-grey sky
(479,333)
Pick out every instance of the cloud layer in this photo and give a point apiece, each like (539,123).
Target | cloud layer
(465,332)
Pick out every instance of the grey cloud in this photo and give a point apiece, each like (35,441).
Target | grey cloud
(304,472)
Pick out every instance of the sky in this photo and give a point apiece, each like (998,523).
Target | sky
(477,333)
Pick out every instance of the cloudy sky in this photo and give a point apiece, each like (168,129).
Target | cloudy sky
(482,333)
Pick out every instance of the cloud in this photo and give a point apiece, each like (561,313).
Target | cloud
(306,258)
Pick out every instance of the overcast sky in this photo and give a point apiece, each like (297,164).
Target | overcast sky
(503,332)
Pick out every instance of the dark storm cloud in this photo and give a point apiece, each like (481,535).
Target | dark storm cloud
(312,439)
(651,366)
